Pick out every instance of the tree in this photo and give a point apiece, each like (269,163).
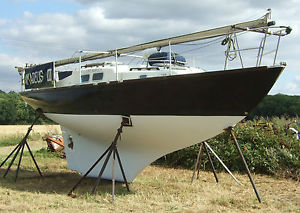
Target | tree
(277,105)
(7,108)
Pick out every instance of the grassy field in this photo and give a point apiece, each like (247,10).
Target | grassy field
(11,130)
(156,189)
(12,134)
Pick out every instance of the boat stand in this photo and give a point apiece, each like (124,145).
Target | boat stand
(197,164)
(20,146)
(244,162)
(112,149)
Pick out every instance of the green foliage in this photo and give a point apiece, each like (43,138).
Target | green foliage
(7,108)
(13,110)
(268,148)
(277,105)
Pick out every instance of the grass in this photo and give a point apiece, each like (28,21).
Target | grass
(11,135)
(156,189)
(10,141)
(15,139)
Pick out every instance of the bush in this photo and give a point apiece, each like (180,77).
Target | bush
(268,147)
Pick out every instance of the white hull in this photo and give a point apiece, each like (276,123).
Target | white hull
(148,139)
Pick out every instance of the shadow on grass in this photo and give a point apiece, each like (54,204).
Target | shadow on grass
(59,182)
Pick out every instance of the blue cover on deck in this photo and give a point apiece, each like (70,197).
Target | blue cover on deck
(164,58)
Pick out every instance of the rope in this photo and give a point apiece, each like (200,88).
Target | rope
(231,50)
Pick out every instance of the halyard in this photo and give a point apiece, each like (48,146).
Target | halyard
(156,189)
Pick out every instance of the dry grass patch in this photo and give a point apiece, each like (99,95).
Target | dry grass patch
(11,135)
(9,130)
(156,189)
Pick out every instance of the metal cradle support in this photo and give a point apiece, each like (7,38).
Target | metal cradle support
(207,147)
(244,162)
(20,147)
(197,164)
(111,150)
(211,163)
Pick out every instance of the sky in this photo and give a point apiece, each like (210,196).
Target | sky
(37,31)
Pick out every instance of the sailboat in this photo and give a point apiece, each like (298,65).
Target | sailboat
(168,104)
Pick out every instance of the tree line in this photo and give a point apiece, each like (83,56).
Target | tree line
(13,110)
(277,106)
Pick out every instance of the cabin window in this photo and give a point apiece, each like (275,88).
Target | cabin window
(143,76)
(85,78)
(97,76)
(64,74)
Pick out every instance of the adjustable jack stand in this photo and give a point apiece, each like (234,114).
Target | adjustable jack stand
(21,146)
(244,161)
(197,164)
(112,149)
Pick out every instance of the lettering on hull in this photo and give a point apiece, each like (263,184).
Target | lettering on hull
(39,76)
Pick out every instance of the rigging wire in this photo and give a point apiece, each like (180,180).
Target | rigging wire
(232,54)
(201,45)
(209,43)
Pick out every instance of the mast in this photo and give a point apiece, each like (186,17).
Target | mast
(216,32)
